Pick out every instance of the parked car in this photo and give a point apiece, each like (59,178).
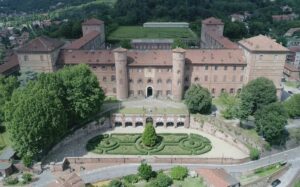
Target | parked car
(275,183)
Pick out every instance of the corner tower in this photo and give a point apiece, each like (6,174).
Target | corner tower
(178,57)
(120,55)
(94,25)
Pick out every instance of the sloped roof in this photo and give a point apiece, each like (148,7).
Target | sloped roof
(41,44)
(11,61)
(225,42)
(81,42)
(217,177)
(262,43)
(153,57)
(212,21)
(93,21)
(290,67)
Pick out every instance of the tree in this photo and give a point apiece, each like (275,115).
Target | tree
(126,44)
(256,94)
(198,99)
(179,43)
(179,172)
(235,30)
(145,171)
(83,94)
(254,154)
(35,118)
(162,180)
(7,86)
(292,106)
(149,136)
(270,121)
(27,76)
(115,183)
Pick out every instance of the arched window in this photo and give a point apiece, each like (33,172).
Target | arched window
(213,91)
(149,81)
(159,81)
(169,81)
(223,90)
(196,79)
(140,81)
(231,90)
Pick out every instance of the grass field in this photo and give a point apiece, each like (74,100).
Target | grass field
(190,182)
(294,84)
(153,111)
(131,32)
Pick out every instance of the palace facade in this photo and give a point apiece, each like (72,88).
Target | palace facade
(220,66)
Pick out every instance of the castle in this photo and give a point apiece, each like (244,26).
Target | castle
(220,65)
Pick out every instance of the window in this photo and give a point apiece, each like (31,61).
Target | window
(215,78)
(216,67)
(260,57)
(113,68)
(25,57)
(131,93)
(103,68)
(242,78)
(159,92)
(234,68)
(242,68)
(130,81)
(168,92)
(140,92)
(169,70)
(224,78)
(206,78)
(159,81)
(104,79)
(114,90)
(196,79)
(231,90)
(113,78)
(239,90)
(186,79)
(139,70)
(225,68)
(213,91)
(42,57)
(178,71)
(233,78)
(140,81)
(169,81)
(223,90)
(179,82)
(206,67)
(149,81)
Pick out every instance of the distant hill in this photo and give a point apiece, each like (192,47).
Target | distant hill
(36,5)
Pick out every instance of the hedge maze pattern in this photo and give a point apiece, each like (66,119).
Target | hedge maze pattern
(131,144)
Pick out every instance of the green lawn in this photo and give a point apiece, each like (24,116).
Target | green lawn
(190,182)
(153,111)
(132,32)
(131,144)
(293,84)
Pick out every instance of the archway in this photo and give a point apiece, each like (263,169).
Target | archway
(170,124)
(149,120)
(128,124)
(118,124)
(149,91)
(159,124)
(180,124)
(138,124)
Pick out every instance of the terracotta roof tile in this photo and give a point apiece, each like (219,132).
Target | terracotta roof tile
(81,42)
(10,61)
(153,57)
(212,21)
(262,43)
(217,177)
(225,42)
(290,67)
(41,44)
(295,48)
(93,21)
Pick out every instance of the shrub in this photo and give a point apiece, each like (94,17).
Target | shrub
(27,178)
(149,136)
(179,172)
(292,106)
(27,160)
(11,181)
(115,183)
(145,171)
(254,154)
(131,179)
(162,180)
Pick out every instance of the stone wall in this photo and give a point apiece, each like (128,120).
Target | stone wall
(213,130)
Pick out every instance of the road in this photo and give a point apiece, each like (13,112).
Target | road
(292,156)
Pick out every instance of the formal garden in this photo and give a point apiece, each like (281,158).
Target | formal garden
(149,143)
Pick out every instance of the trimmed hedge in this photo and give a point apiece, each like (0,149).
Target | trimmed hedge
(121,144)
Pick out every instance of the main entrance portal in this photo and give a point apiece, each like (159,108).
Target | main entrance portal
(149,91)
